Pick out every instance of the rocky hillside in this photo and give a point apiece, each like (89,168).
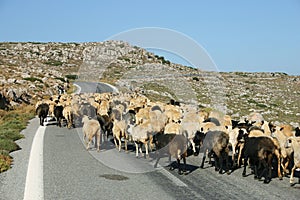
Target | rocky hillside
(38,69)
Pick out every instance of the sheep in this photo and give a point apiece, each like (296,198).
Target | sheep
(58,113)
(286,153)
(91,128)
(142,115)
(140,134)
(293,143)
(174,145)
(172,113)
(87,109)
(68,115)
(213,120)
(172,127)
(234,141)
(42,112)
(119,132)
(106,123)
(103,108)
(189,127)
(216,143)
(259,133)
(158,122)
(207,126)
(260,151)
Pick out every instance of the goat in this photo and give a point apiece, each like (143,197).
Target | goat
(174,145)
(216,143)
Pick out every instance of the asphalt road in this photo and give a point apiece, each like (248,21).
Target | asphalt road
(72,172)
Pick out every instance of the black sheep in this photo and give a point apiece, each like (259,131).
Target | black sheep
(259,151)
(42,112)
(58,113)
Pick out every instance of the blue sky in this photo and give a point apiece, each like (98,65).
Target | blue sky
(254,35)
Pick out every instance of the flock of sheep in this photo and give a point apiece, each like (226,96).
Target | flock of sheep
(175,128)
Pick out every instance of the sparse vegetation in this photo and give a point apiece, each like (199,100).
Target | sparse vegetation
(11,124)
(53,62)
(33,79)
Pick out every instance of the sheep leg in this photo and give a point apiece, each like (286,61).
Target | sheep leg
(83,137)
(285,169)
(203,159)
(292,175)
(120,144)
(218,161)
(245,165)
(283,162)
(239,161)
(194,147)
(116,145)
(126,145)
(278,164)
(140,149)
(269,167)
(88,145)
(225,156)
(256,169)
(147,153)
(233,157)
(136,150)
(157,159)
(98,140)
(184,164)
(179,169)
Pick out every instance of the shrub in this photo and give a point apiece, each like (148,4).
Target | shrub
(33,79)
(71,76)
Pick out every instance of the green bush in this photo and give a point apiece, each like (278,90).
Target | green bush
(33,79)
(71,76)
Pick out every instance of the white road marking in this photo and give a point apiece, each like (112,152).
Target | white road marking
(78,89)
(34,186)
(173,178)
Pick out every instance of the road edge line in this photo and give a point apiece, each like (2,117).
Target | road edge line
(34,185)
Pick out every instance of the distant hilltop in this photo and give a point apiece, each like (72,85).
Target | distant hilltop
(42,69)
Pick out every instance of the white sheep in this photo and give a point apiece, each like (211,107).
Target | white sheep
(293,143)
(119,132)
(140,135)
(91,128)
